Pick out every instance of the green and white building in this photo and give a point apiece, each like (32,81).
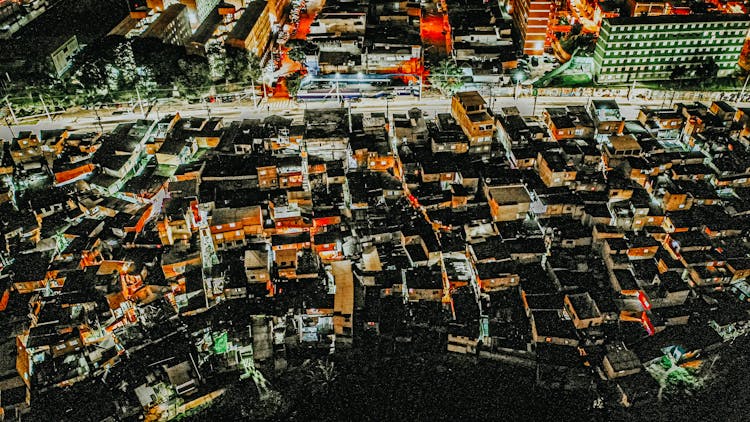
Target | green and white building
(649,48)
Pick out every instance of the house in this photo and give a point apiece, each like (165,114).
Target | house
(555,169)
(607,117)
(619,361)
(569,122)
(583,310)
(343,301)
(475,118)
(508,202)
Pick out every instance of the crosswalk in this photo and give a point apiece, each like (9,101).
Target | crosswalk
(277,104)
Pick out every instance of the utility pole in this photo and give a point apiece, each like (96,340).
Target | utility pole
(10,109)
(252,87)
(349,112)
(98,118)
(421,82)
(10,127)
(46,111)
(208,108)
(492,98)
(140,103)
(742,93)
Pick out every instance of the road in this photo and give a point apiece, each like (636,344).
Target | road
(86,120)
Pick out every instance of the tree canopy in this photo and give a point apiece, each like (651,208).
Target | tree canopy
(447,77)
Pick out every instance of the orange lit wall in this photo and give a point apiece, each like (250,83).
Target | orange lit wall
(532,18)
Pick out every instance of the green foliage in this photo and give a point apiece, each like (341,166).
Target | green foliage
(217,60)
(241,66)
(293,83)
(299,49)
(193,74)
(447,77)
(707,71)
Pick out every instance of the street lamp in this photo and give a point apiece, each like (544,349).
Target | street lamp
(388,99)
(744,86)
(518,77)
(338,92)
(10,127)
(98,118)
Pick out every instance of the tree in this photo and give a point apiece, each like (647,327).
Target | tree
(242,66)
(217,60)
(678,73)
(293,83)
(161,60)
(124,62)
(707,71)
(446,77)
(194,74)
(299,49)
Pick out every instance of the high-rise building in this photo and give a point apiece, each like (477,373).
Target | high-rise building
(532,19)
(198,10)
(252,31)
(651,47)
(171,27)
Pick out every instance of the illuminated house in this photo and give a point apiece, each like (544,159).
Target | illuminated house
(554,168)
(198,10)
(369,143)
(640,8)
(497,275)
(650,48)
(606,115)
(230,226)
(340,18)
(569,122)
(447,136)
(508,202)
(176,225)
(343,301)
(257,266)
(27,147)
(475,118)
(532,18)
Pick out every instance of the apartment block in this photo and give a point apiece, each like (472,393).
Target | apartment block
(651,47)
(171,27)
(532,18)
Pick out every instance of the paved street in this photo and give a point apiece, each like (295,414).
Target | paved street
(86,120)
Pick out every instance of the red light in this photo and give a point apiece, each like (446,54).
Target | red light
(646,321)
(644,301)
